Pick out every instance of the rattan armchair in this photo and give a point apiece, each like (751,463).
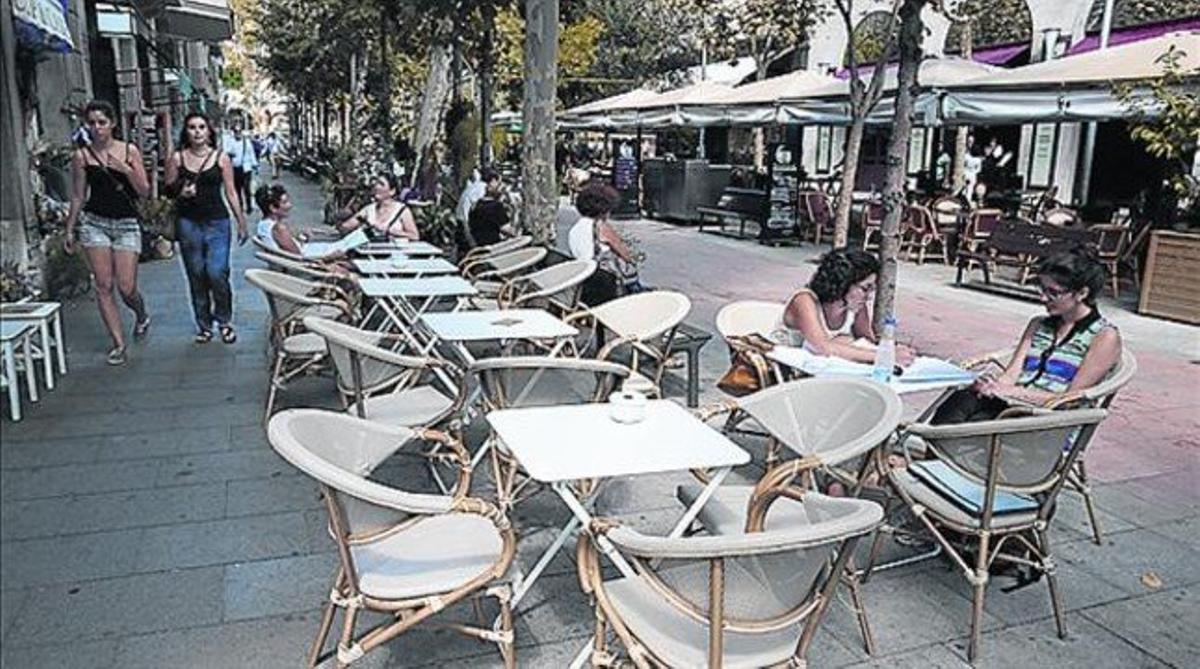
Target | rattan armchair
(499,248)
(642,325)
(405,555)
(295,350)
(993,484)
(745,600)
(556,288)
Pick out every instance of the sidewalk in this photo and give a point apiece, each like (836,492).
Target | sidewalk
(145,522)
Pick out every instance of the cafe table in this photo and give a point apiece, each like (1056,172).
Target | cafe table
(559,445)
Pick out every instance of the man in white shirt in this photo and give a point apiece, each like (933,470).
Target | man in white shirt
(240,148)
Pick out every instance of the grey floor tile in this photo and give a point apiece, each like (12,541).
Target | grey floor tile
(222,541)
(103,512)
(1186,531)
(1129,502)
(278,587)
(65,654)
(122,606)
(1130,556)
(271,643)
(68,559)
(935,656)
(272,495)
(11,602)
(1163,624)
(1087,646)
(227,466)
(77,479)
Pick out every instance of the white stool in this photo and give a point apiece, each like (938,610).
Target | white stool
(46,317)
(11,334)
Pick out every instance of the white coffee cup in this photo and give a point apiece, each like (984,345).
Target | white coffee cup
(627,407)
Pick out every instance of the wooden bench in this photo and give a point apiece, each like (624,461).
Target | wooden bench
(1018,245)
(738,206)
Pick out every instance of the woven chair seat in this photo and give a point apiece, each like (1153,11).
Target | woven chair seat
(413,407)
(725,511)
(435,555)
(682,641)
(306,343)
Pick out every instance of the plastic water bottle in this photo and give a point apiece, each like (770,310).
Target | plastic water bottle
(885,352)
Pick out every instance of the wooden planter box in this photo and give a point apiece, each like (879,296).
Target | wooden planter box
(1171,287)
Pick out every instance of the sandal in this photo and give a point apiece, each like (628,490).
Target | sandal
(141,327)
(227,334)
(116,356)
(203,337)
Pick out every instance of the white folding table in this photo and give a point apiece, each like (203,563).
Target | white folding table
(925,373)
(12,332)
(561,444)
(398,247)
(47,318)
(458,328)
(401,265)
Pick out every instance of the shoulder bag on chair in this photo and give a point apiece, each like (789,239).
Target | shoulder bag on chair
(749,370)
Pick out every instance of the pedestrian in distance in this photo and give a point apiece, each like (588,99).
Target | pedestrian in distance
(197,175)
(108,182)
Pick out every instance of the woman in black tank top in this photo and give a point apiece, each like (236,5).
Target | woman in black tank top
(198,174)
(108,182)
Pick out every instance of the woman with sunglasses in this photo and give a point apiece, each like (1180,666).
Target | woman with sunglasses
(1070,348)
(831,316)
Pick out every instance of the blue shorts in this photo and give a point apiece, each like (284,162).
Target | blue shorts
(118,234)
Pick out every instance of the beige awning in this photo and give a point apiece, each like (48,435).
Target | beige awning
(1125,62)
(614,102)
(769,91)
(934,73)
(693,94)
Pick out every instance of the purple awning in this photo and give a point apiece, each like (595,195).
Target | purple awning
(999,55)
(1135,34)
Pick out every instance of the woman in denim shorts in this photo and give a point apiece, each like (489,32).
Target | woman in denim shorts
(198,173)
(109,180)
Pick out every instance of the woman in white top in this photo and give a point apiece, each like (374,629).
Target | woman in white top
(831,316)
(385,213)
(592,238)
(276,205)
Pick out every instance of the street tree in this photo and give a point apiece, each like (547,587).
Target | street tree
(863,97)
(911,30)
(539,187)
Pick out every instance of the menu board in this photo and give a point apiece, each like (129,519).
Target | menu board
(1042,159)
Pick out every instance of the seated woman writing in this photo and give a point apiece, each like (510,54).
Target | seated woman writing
(1071,348)
(385,216)
(831,316)
(273,231)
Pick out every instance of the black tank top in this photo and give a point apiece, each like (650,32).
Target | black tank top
(110,193)
(206,204)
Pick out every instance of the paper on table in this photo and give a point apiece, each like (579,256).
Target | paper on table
(348,243)
(922,370)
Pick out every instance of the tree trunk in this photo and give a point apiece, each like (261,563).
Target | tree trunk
(437,85)
(539,192)
(845,199)
(488,12)
(911,30)
(385,86)
(959,176)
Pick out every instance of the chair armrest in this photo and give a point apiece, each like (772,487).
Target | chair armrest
(998,357)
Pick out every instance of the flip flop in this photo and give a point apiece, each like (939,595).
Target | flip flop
(116,357)
(141,327)
(203,337)
(227,334)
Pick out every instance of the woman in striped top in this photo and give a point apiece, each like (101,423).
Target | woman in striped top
(1071,348)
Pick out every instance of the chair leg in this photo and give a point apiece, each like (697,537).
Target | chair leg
(1052,580)
(1085,489)
(314,655)
(860,610)
(344,645)
(507,648)
(979,581)
(276,372)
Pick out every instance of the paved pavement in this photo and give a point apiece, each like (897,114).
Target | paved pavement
(144,521)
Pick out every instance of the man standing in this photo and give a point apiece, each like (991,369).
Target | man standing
(241,154)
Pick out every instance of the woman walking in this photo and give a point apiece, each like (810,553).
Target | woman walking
(198,173)
(108,180)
